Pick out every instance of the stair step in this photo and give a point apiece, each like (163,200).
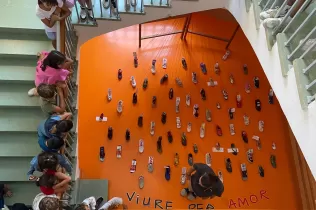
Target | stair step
(19,145)
(98,187)
(15,95)
(17,74)
(22,48)
(20,120)
(23,192)
(23,34)
(14,168)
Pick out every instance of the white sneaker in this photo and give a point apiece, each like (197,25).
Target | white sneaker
(133,82)
(308,44)
(105,4)
(189,127)
(202,130)
(120,106)
(83,14)
(31,92)
(271,23)
(270,13)
(188,100)
(90,14)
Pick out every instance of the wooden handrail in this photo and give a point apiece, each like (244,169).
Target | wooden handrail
(62,36)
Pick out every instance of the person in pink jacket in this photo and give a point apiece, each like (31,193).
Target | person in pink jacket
(52,68)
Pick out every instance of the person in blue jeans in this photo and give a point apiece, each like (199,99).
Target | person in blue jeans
(48,160)
(53,144)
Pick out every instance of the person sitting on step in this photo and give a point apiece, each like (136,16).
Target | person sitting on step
(48,98)
(45,202)
(92,204)
(4,192)
(48,12)
(52,182)
(52,68)
(48,160)
(53,144)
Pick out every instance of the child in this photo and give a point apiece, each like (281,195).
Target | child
(47,99)
(46,12)
(4,192)
(52,182)
(53,144)
(45,202)
(52,69)
(91,204)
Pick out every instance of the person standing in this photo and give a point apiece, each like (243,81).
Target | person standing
(86,8)
(202,182)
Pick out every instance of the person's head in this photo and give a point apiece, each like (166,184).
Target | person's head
(46,180)
(63,126)
(55,143)
(82,206)
(54,59)
(47,160)
(207,179)
(49,203)
(48,3)
(46,91)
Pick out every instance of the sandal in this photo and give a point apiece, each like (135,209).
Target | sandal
(119,74)
(225,94)
(238,101)
(195,148)
(244,136)
(164,118)
(183,175)
(216,68)
(258,143)
(190,159)
(228,165)
(244,173)
(167,173)
(154,101)
(273,146)
(203,68)
(119,106)
(176,159)
(171,93)
(208,159)
(273,161)
(219,130)
(231,113)
(109,94)
(164,79)
(159,145)
(188,100)
(133,82)
(194,78)
(184,63)
(189,127)
(256,82)
(170,138)
(118,151)
(202,130)
(141,182)
(196,110)
(179,82)
(232,129)
(127,135)
(178,122)
(261,125)
(208,115)
(261,171)
(140,121)
(250,155)
(133,166)
(153,67)
(110,133)
(203,95)
(150,166)
(245,67)
(177,104)
(152,128)
(164,63)
(184,139)
(246,119)
(145,83)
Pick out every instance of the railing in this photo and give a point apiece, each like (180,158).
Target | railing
(294,37)
(66,43)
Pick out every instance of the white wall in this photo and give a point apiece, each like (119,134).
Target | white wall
(303,123)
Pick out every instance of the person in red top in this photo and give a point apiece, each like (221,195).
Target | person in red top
(52,182)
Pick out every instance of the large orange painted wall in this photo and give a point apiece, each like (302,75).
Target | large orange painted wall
(101,57)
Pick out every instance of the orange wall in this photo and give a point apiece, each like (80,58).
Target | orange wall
(101,57)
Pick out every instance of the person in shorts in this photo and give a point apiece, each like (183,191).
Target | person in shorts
(202,182)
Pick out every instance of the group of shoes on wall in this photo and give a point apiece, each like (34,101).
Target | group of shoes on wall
(217,148)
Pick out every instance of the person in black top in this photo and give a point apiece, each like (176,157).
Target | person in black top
(203,183)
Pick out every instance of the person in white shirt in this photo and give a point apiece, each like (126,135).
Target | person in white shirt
(48,12)
(47,202)
(91,204)
(86,7)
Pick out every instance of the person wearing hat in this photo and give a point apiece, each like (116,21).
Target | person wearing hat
(202,182)
(53,144)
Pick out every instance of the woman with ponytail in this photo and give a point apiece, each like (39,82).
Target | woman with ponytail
(52,68)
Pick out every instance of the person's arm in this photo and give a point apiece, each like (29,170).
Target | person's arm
(65,116)
(30,175)
(65,12)
(50,23)
(65,180)
(62,105)
(64,163)
(112,203)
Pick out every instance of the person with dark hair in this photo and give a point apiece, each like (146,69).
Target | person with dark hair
(47,99)
(48,12)
(55,125)
(48,161)
(203,183)
(52,182)
(4,192)
(53,144)
(53,69)
(20,206)
(45,202)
